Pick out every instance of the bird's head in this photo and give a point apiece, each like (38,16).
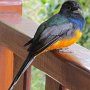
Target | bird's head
(70,7)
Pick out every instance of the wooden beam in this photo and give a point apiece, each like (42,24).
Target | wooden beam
(63,72)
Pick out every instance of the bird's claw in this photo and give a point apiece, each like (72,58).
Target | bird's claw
(65,50)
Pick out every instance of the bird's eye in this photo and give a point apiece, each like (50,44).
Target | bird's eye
(68,7)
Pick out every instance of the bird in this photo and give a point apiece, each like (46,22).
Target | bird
(59,31)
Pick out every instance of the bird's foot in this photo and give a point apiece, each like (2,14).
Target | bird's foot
(64,50)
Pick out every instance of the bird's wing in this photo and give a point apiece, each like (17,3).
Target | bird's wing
(38,32)
(53,21)
(51,35)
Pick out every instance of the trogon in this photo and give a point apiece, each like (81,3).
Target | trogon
(59,31)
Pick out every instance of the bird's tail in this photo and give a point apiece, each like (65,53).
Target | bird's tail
(23,68)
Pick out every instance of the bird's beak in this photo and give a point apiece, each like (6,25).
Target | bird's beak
(78,11)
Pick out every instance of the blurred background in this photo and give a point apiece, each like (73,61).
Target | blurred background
(41,10)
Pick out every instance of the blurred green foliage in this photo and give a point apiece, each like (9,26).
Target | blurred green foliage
(38,80)
(41,10)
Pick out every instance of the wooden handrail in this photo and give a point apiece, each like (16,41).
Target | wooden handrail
(72,70)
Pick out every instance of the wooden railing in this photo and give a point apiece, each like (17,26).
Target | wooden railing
(63,70)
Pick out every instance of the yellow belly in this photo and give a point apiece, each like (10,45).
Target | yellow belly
(66,42)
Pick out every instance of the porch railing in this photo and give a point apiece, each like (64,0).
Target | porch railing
(65,70)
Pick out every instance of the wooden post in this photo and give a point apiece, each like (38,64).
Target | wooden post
(8,12)
(6,68)
(17,64)
(27,79)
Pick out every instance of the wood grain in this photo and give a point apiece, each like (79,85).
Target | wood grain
(17,64)
(52,84)
(6,68)
(64,72)
(27,79)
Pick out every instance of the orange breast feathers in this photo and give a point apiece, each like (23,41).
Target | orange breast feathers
(66,42)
